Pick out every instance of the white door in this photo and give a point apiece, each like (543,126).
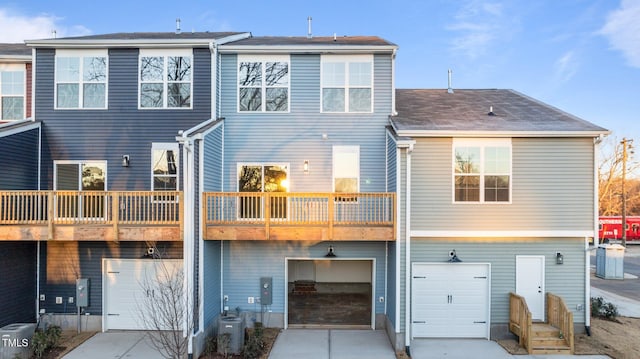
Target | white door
(530,283)
(124,296)
(450,300)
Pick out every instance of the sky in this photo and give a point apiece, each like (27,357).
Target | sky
(581,56)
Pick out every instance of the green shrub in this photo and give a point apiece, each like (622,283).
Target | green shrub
(602,309)
(43,341)
(254,343)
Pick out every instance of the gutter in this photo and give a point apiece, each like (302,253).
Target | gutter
(306,49)
(495,134)
(124,43)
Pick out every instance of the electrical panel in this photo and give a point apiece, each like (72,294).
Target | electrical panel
(82,292)
(266,297)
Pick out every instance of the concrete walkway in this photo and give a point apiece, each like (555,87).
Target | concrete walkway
(332,343)
(116,345)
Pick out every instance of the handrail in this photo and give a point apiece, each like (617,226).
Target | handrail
(559,316)
(520,320)
(90,207)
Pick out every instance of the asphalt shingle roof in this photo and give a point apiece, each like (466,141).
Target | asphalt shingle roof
(152,36)
(436,110)
(14,50)
(316,40)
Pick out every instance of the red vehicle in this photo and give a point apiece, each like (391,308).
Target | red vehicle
(610,228)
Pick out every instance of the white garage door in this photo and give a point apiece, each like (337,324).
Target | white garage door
(450,300)
(124,296)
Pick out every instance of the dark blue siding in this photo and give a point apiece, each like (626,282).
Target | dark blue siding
(17,282)
(63,262)
(122,129)
(21,171)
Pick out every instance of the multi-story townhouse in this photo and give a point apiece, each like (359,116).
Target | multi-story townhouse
(19,146)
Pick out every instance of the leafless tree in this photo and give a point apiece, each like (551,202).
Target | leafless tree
(610,181)
(165,308)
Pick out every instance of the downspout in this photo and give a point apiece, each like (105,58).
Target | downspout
(596,240)
(213,48)
(187,248)
(39,185)
(393,83)
(407,232)
(398,236)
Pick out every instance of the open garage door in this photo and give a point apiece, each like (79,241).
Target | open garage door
(123,289)
(450,300)
(330,293)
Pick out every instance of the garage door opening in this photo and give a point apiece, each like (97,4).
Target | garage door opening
(330,293)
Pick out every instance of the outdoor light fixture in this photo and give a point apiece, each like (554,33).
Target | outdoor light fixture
(559,258)
(125,160)
(330,252)
(305,167)
(453,257)
(325,136)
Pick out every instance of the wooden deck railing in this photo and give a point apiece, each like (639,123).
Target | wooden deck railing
(90,208)
(520,319)
(559,316)
(335,215)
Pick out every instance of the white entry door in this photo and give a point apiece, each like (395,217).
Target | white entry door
(450,300)
(530,283)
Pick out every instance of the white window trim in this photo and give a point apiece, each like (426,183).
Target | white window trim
(166,146)
(15,68)
(263,87)
(346,59)
(344,149)
(482,143)
(78,162)
(239,165)
(80,54)
(165,53)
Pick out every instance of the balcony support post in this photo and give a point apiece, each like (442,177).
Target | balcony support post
(50,214)
(115,214)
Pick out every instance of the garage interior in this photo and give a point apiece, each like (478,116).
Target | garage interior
(329,293)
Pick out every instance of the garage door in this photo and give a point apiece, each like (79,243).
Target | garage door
(450,300)
(124,296)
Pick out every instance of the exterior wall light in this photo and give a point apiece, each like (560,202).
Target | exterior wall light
(305,167)
(125,161)
(559,258)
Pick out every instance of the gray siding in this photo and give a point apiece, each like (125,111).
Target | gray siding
(552,188)
(246,261)
(17,282)
(211,282)
(297,135)
(21,171)
(122,128)
(63,262)
(566,280)
(213,160)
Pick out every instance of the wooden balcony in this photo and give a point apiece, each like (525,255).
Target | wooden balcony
(91,215)
(299,216)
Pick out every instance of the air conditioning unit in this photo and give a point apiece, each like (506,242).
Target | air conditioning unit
(16,340)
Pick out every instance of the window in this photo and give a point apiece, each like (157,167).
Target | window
(164,167)
(12,92)
(482,170)
(263,84)
(262,178)
(347,83)
(346,169)
(165,79)
(89,178)
(81,79)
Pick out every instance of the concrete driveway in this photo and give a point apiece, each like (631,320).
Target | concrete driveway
(116,345)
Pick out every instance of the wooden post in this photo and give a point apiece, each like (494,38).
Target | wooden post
(115,214)
(331,204)
(267,213)
(181,213)
(50,214)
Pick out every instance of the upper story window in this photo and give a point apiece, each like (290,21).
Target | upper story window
(263,84)
(81,79)
(164,167)
(12,92)
(347,83)
(482,170)
(165,79)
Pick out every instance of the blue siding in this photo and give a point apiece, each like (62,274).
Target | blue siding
(21,172)
(63,262)
(17,282)
(213,160)
(122,128)
(211,281)
(391,300)
(296,136)
(246,261)
(391,163)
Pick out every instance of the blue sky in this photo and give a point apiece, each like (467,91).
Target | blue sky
(582,56)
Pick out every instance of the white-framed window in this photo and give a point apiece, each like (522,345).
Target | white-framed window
(482,171)
(263,83)
(346,169)
(262,177)
(87,177)
(164,167)
(165,79)
(81,79)
(12,92)
(347,83)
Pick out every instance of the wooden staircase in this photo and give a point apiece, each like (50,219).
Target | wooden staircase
(553,337)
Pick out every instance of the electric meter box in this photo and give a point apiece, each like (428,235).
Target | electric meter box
(266,297)
(82,292)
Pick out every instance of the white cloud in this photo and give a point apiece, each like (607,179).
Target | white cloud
(623,30)
(478,25)
(566,66)
(18,27)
